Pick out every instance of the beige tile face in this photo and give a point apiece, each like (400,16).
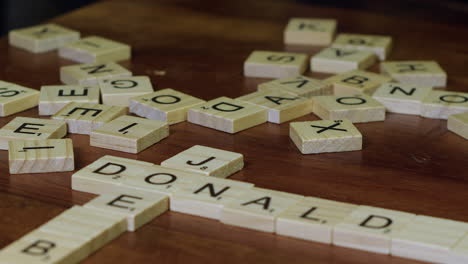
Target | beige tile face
(401,98)
(309,31)
(118,91)
(459,253)
(90,74)
(55,97)
(272,64)
(380,45)
(335,60)
(442,104)
(298,85)
(356,82)
(95,49)
(424,73)
(207,161)
(458,124)
(15,98)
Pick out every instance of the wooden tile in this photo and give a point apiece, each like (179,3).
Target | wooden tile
(82,118)
(423,73)
(27,128)
(442,104)
(207,161)
(401,98)
(380,45)
(298,85)
(166,105)
(55,97)
(129,134)
(313,219)
(15,98)
(282,106)
(459,253)
(118,91)
(273,64)
(310,31)
(357,108)
(370,229)
(356,82)
(107,174)
(335,60)
(258,209)
(428,239)
(228,115)
(458,124)
(90,74)
(206,196)
(94,49)
(138,208)
(39,156)
(42,38)
(313,137)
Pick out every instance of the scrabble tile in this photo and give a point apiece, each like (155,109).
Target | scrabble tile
(227,115)
(207,161)
(370,229)
(94,49)
(380,45)
(313,219)
(206,196)
(107,174)
(401,98)
(313,137)
(118,91)
(258,209)
(166,105)
(356,82)
(15,98)
(442,104)
(309,31)
(90,74)
(458,124)
(334,60)
(423,73)
(428,239)
(39,156)
(42,38)
(357,108)
(138,208)
(272,64)
(82,118)
(26,128)
(459,253)
(282,106)
(55,97)
(298,85)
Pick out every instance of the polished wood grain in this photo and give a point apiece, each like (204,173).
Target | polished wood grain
(407,163)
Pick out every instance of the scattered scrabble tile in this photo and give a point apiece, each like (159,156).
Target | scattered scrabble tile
(25,128)
(310,31)
(166,105)
(282,106)
(356,82)
(15,98)
(118,91)
(95,49)
(401,98)
(380,45)
(458,124)
(42,38)
(228,115)
(357,108)
(459,253)
(272,64)
(258,209)
(55,97)
(313,219)
(298,85)
(423,73)
(370,229)
(207,161)
(442,104)
(313,137)
(138,208)
(207,196)
(334,60)
(82,118)
(129,134)
(90,74)
(38,156)
(428,239)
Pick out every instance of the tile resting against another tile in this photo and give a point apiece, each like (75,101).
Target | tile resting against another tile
(55,97)
(334,60)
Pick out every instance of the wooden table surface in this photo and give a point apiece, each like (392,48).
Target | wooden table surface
(407,163)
